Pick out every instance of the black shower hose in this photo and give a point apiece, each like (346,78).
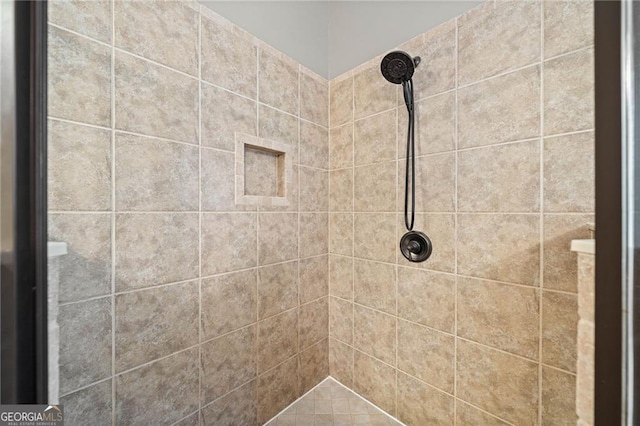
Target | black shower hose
(407,88)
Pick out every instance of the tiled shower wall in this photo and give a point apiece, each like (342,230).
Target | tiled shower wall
(175,303)
(484,332)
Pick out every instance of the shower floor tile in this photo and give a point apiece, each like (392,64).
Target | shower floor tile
(330,403)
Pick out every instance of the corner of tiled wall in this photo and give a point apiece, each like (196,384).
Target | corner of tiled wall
(177,305)
(485,330)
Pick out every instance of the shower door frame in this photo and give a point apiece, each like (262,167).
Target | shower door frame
(23,212)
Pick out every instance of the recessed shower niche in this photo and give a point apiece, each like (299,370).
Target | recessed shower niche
(264,171)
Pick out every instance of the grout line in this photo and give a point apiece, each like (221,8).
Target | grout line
(353,227)
(541,218)
(81,388)
(200,331)
(335,212)
(86,37)
(156,63)
(455,230)
(113,217)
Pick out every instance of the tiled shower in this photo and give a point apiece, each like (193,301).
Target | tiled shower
(233,218)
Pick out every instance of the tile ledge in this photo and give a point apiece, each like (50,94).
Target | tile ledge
(584,246)
(55,249)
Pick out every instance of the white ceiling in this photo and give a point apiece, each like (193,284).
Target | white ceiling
(331,36)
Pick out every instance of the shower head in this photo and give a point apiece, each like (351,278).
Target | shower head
(398,67)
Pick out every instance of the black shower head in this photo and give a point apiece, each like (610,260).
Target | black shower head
(398,66)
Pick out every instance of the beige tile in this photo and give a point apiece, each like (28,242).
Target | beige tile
(502,109)
(227,362)
(467,415)
(261,172)
(314,190)
(314,278)
(278,82)
(341,190)
(237,407)
(155,248)
(85,343)
(375,138)
(568,25)
(375,334)
(502,316)
(374,187)
(414,396)
(79,167)
(427,298)
(228,303)
(426,354)
(165,32)
(85,271)
(228,59)
(435,126)
(569,93)
(374,236)
(192,420)
(560,264)
(92,18)
(559,330)
(155,322)
(79,78)
(569,173)
(437,49)
(585,381)
(277,339)
(224,236)
(441,230)
(153,175)
(341,233)
(277,389)
(314,99)
(375,285)
(586,286)
(224,114)
(500,247)
(277,237)
(341,362)
(292,196)
(164,391)
(155,101)
(341,276)
(261,176)
(513,381)
(313,365)
(341,146)
(341,320)
(507,181)
(314,234)
(497,37)
(372,93)
(435,183)
(217,185)
(558,397)
(340,101)
(314,145)
(375,381)
(277,288)
(278,126)
(314,322)
(94,402)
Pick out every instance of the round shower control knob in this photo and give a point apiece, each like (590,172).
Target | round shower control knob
(416,246)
